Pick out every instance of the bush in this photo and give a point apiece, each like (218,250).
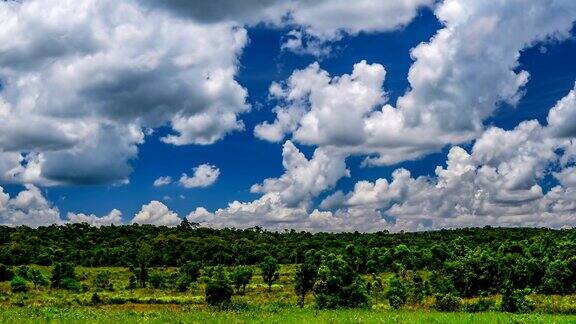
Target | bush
(157,280)
(218,290)
(447,303)
(396,293)
(63,271)
(102,281)
(558,278)
(191,270)
(132,282)
(304,281)
(96,299)
(241,277)
(37,277)
(19,284)
(338,285)
(480,305)
(516,300)
(270,272)
(6,274)
(419,288)
(71,284)
(189,273)
(23,271)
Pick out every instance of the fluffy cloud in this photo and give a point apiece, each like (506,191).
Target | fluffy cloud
(156,213)
(562,118)
(337,106)
(567,177)
(204,176)
(285,200)
(162,181)
(29,207)
(81,79)
(316,21)
(113,218)
(303,178)
(496,182)
(457,80)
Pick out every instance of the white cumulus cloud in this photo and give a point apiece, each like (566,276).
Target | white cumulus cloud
(156,213)
(204,175)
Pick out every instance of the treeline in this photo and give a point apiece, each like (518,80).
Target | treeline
(85,245)
(339,268)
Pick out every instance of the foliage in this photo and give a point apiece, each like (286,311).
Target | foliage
(338,285)
(559,278)
(37,277)
(218,290)
(6,273)
(516,300)
(269,267)
(132,282)
(64,276)
(96,299)
(157,280)
(396,293)
(480,305)
(71,284)
(304,281)
(19,284)
(467,263)
(241,277)
(23,271)
(447,303)
(189,272)
(102,281)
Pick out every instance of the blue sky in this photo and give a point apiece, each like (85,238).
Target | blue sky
(244,160)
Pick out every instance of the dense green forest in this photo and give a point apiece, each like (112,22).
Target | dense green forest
(474,261)
(463,269)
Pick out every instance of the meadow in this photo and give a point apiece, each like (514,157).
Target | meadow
(190,274)
(256,305)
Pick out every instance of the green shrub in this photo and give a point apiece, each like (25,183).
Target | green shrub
(396,293)
(71,284)
(304,281)
(447,303)
(157,280)
(516,300)
(218,290)
(6,273)
(37,277)
(558,278)
(63,271)
(269,268)
(23,271)
(102,281)
(132,282)
(19,284)
(189,272)
(338,285)
(480,305)
(241,277)
(96,299)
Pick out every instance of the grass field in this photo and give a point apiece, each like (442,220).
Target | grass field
(256,306)
(184,314)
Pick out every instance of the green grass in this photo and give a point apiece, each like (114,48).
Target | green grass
(149,305)
(172,314)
